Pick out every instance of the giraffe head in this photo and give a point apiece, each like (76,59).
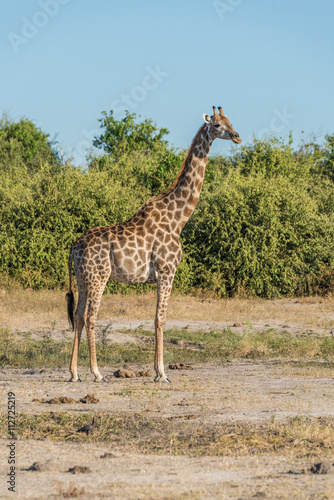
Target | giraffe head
(221,127)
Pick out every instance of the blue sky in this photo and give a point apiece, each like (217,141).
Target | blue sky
(268,63)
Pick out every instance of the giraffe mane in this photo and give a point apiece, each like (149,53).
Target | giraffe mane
(184,164)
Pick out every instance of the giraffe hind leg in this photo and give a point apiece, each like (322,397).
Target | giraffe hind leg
(78,326)
(93,304)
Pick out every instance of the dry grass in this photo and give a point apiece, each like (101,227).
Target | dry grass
(298,436)
(27,309)
(314,369)
(72,491)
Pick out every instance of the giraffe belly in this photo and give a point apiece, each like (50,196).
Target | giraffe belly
(129,270)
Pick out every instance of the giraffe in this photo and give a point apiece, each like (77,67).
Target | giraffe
(144,249)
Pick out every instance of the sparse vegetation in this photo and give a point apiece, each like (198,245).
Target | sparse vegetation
(197,347)
(136,433)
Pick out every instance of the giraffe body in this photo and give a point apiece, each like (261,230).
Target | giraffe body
(144,249)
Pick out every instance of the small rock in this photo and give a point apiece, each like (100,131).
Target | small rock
(79,469)
(129,373)
(124,373)
(322,468)
(40,467)
(180,366)
(55,401)
(90,398)
(109,455)
(143,373)
(177,342)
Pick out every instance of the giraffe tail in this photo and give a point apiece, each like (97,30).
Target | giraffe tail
(69,296)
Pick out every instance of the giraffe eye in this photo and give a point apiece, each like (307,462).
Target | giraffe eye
(216,125)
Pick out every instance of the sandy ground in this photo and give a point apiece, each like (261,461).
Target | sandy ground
(240,391)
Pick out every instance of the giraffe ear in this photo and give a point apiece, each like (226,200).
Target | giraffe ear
(206,118)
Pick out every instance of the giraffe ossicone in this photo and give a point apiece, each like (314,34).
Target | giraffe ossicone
(144,249)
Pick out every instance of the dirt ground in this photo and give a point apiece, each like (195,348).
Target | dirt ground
(242,391)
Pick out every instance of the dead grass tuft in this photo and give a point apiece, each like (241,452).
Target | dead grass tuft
(72,491)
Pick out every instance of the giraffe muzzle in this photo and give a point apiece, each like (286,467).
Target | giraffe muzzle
(235,138)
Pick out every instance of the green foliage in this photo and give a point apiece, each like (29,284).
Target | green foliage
(328,161)
(127,135)
(151,170)
(24,147)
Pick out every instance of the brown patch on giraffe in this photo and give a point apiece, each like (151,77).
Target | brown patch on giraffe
(142,255)
(188,211)
(128,252)
(155,215)
(198,184)
(201,170)
(128,264)
(163,252)
(104,237)
(165,227)
(148,224)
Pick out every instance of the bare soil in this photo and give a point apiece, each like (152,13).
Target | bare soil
(241,391)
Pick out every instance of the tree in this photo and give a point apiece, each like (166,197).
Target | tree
(25,146)
(127,134)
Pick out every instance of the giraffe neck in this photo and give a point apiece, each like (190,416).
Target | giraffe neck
(184,193)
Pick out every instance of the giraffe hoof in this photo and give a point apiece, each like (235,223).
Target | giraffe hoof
(162,379)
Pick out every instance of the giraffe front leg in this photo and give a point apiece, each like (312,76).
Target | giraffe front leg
(92,349)
(164,290)
(74,359)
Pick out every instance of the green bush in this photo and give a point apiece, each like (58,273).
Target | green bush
(42,217)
